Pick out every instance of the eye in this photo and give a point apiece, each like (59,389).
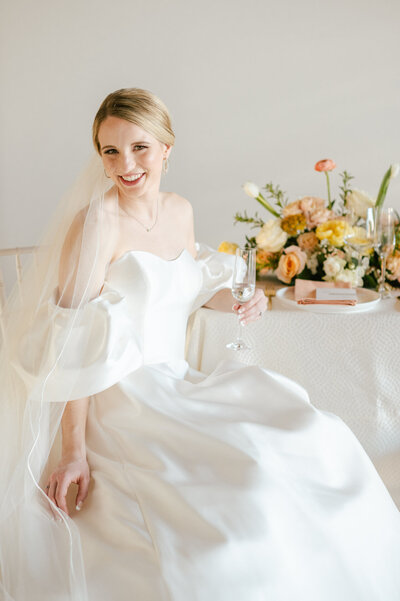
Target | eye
(110,151)
(140,147)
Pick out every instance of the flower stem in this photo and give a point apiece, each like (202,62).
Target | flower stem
(260,198)
(329,190)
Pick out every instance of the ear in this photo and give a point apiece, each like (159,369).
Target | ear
(167,150)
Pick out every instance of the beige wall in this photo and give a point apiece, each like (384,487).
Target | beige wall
(258,90)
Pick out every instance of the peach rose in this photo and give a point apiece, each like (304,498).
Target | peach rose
(325,165)
(291,263)
(293,208)
(308,241)
(308,204)
(393,266)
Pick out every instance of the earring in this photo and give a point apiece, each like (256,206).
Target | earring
(105,173)
(165,165)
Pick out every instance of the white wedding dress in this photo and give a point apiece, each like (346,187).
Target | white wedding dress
(230,487)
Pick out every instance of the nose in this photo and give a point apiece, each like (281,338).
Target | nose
(126,163)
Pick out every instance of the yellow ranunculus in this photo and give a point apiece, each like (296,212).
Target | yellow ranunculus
(228,247)
(333,231)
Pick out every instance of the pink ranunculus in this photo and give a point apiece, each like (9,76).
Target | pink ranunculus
(319,216)
(292,262)
(325,165)
(311,203)
(315,211)
(292,208)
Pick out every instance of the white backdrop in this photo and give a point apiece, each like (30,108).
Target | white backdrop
(258,90)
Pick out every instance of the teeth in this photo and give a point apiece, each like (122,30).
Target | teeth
(131,178)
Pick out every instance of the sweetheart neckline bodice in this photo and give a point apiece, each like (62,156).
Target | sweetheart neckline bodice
(146,252)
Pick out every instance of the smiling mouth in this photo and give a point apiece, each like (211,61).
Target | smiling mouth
(129,180)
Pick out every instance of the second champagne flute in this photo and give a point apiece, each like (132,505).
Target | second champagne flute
(385,239)
(243,287)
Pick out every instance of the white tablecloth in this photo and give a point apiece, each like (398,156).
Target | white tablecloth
(349,364)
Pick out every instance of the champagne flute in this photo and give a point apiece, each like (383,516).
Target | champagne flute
(243,287)
(385,239)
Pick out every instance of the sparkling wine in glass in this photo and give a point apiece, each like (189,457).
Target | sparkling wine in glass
(361,239)
(385,239)
(243,288)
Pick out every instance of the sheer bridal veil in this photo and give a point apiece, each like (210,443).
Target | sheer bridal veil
(47,344)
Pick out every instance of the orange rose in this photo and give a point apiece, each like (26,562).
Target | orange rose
(291,263)
(325,165)
(263,259)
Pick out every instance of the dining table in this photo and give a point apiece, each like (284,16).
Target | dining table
(348,360)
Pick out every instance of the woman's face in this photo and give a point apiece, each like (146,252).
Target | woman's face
(131,156)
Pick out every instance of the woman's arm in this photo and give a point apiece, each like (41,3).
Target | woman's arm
(223,300)
(73,466)
(76,269)
(250,311)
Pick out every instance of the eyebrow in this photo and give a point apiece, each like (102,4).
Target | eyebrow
(132,144)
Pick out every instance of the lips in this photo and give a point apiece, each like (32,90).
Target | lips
(129,182)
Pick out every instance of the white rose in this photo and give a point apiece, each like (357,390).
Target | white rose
(358,201)
(312,264)
(394,170)
(353,276)
(271,236)
(251,189)
(332,267)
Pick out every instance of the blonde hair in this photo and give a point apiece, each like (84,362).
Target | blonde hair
(137,106)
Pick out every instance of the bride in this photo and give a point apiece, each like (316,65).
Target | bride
(166,484)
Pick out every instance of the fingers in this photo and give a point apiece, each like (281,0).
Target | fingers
(50,491)
(57,492)
(82,492)
(61,494)
(253,309)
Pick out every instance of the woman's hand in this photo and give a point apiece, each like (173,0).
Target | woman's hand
(253,309)
(70,469)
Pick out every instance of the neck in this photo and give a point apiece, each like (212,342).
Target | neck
(139,206)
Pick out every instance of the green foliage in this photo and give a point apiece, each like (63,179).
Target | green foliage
(256,221)
(276,194)
(250,242)
(370,281)
(345,188)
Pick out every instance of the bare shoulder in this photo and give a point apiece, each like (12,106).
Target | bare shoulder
(93,224)
(181,212)
(177,204)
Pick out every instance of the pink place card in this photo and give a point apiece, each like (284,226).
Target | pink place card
(305,293)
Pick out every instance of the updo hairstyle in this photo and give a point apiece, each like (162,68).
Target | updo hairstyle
(137,106)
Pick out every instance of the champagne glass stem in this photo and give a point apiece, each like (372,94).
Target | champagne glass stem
(382,290)
(239,332)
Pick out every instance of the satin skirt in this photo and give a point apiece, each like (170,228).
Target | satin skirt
(230,487)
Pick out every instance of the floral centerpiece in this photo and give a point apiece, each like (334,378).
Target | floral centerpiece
(306,238)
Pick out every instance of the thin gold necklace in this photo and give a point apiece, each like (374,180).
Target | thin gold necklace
(147,228)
